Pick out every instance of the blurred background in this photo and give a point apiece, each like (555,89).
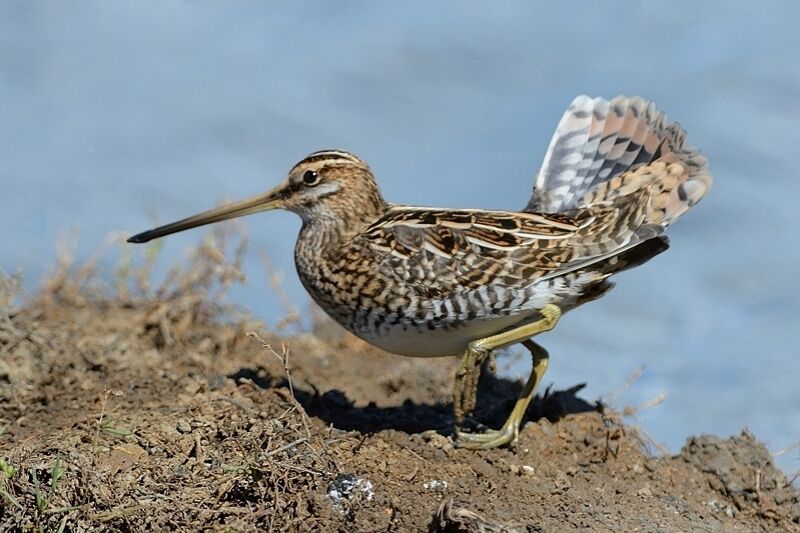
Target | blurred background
(117,115)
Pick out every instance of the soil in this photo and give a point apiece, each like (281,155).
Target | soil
(161,409)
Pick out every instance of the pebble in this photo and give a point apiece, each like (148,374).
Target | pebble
(436,485)
(347,488)
(438,441)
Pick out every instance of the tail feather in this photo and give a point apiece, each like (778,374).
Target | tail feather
(603,150)
(625,260)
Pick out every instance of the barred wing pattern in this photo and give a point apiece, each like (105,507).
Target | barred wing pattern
(598,140)
(443,252)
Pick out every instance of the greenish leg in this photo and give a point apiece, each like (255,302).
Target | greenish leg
(465,388)
(466,383)
(509,433)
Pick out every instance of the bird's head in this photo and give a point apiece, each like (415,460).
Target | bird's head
(327,187)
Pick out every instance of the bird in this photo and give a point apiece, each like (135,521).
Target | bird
(431,282)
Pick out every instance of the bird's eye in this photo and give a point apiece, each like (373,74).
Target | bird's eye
(311,178)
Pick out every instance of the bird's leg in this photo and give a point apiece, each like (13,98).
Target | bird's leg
(510,430)
(465,389)
(466,384)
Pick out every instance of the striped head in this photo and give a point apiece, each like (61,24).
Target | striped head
(331,187)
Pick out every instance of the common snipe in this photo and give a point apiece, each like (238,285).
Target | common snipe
(422,281)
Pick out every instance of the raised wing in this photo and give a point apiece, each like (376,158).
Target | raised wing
(598,140)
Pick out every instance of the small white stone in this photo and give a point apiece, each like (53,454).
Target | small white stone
(346,488)
(436,485)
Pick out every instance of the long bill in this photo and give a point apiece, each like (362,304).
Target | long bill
(256,204)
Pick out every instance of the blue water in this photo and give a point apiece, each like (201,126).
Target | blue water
(116,114)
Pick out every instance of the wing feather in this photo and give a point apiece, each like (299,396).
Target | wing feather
(471,248)
(598,140)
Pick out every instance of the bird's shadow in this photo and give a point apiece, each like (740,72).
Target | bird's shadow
(496,397)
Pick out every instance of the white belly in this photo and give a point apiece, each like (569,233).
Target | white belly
(422,342)
(448,339)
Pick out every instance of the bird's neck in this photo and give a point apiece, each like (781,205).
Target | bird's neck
(329,231)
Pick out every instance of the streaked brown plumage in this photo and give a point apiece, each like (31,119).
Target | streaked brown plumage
(433,282)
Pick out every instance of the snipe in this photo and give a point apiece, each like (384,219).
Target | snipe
(429,282)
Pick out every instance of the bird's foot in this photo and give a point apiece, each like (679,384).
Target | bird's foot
(491,438)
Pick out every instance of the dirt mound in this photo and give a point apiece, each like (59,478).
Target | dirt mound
(150,412)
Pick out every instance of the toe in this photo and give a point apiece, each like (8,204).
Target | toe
(486,440)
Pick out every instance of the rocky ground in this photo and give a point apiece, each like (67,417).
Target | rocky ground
(146,408)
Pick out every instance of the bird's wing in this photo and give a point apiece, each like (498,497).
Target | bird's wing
(469,248)
(598,140)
